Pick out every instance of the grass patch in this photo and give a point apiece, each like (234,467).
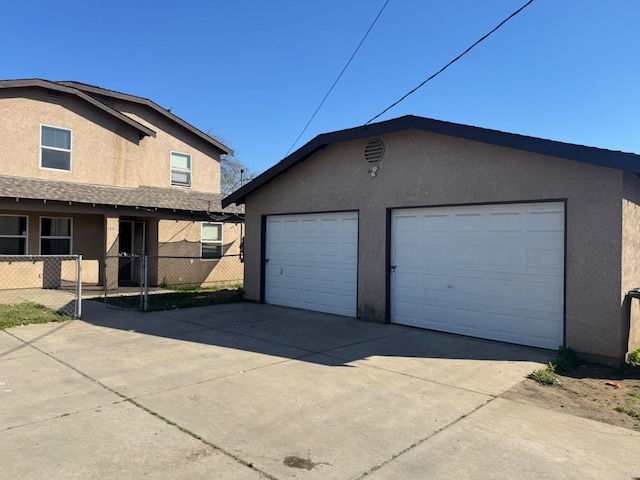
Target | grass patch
(546,376)
(565,362)
(14,315)
(193,288)
(186,297)
(629,411)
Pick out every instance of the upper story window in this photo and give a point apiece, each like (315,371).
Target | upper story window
(55,148)
(211,240)
(180,169)
(55,236)
(13,235)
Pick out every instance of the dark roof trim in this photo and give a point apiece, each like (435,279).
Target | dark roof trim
(38,83)
(596,156)
(91,89)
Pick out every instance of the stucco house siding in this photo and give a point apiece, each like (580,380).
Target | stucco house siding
(94,137)
(154,154)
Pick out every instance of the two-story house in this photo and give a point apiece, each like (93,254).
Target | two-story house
(93,172)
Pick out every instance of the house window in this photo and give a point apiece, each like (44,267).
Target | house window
(211,243)
(55,148)
(13,235)
(180,169)
(55,236)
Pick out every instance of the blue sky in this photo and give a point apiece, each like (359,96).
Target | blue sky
(253,72)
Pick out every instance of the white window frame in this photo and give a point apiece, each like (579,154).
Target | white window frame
(25,234)
(180,170)
(46,147)
(211,242)
(57,237)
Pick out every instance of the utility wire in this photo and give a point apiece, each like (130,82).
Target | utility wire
(339,76)
(452,61)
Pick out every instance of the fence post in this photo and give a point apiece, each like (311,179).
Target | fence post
(79,287)
(145,283)
(106,280)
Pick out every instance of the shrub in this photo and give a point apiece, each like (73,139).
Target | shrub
(566,361)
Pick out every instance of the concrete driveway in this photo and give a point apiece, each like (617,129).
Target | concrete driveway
(245,391)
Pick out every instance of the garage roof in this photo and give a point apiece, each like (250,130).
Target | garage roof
(597,156)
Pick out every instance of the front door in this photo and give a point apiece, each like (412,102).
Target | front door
(125,248)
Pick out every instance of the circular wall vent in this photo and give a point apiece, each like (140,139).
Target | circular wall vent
(374,151)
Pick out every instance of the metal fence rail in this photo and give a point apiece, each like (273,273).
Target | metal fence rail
(50,280)
(138,281)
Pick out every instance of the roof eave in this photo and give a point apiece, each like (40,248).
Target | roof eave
(151,104)
(596,156)
(45,84)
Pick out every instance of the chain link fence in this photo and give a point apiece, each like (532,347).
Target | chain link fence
(160,282)
(50,280)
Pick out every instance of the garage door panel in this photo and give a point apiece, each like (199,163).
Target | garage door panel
(497,271)
(504,326)
(506,256)
(506,222)
(467,285)
(312,262)
(468,222)
(466,321)
(546,221)
(468,253)
(539,256)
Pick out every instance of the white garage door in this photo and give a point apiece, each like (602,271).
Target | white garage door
(493,272)
(312,262)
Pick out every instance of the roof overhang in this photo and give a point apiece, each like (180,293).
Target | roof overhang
(57,87)
(580,153)
(92,89)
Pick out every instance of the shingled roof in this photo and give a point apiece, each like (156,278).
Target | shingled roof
(142,197)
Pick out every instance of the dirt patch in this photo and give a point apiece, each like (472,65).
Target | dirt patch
(591,391)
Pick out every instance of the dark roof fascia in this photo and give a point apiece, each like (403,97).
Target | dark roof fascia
(45,84)
(580,153)
(148,103)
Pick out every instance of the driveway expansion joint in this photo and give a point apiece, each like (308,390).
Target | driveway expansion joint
(420,442)
(147,410)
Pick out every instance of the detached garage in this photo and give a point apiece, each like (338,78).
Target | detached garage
(453,228)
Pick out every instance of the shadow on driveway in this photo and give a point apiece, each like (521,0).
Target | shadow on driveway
(270,329)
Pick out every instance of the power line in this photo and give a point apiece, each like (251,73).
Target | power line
(339,76)
(451,62)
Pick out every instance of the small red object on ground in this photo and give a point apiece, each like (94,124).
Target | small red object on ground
(614,384)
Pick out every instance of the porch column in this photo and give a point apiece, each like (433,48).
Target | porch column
(112,233)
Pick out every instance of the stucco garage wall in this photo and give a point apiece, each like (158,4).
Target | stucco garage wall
(424,169)
(631,258)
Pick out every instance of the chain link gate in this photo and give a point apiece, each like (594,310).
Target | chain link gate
(139,282)
(124,279)
(54,281)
